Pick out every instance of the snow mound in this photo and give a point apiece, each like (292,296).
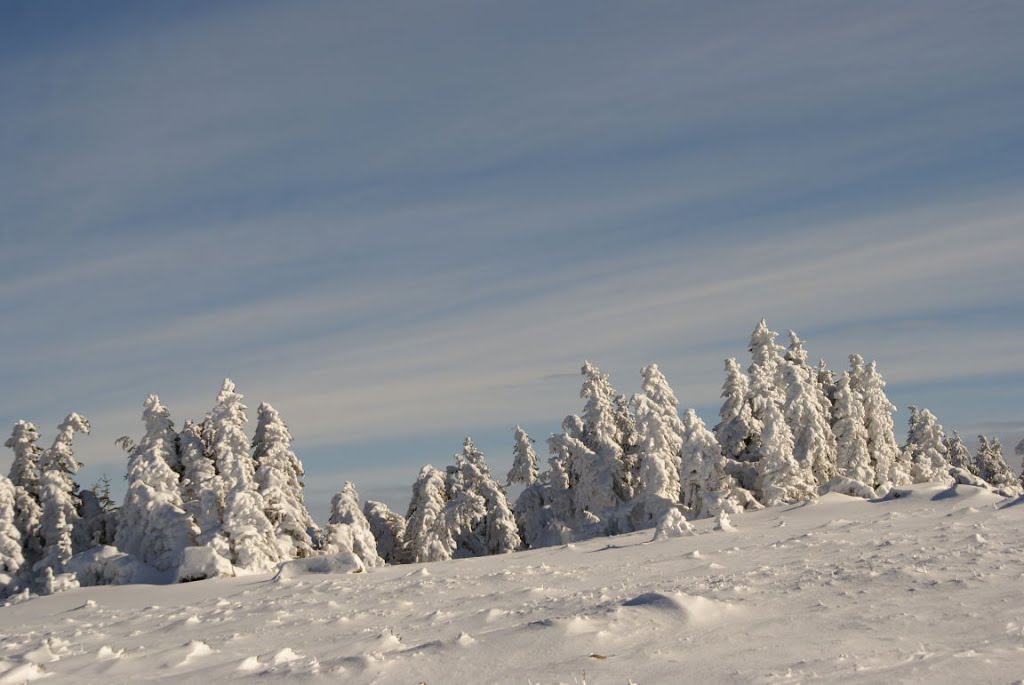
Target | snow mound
(106,565)
(343,562)
(200,563)
(690,608)
(850,487)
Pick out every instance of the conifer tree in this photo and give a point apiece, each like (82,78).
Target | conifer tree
(925,449)
(878,410)
(11,557)
(959,456)
(429,538)
(602,429)
(24,477)
(738,432)
(524,463)
(991,464)
(59,497)
(247,536)
(659,462)
(853,460)
(154,526)
(779,477)
(706,487)
(279,479)
(765,388)
(826,381)
(486,524)
(814,443)
(200,487)
(348,529)
(388,528)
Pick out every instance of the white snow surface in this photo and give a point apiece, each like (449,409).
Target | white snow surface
(924,587)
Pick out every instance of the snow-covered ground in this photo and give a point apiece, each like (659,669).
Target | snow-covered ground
(922,588)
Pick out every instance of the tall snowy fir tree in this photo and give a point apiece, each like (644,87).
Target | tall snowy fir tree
(959,456)
(348,530)
(925,449)
(764,371)
(426,530)
(388,528)
(524,460)
(248,537)
(707,488)
(279,479)
(602,430)
(992,466)
(779,477)
(588,483)
(659,464)
(154,526)
(11,557)
(814,444)
(883,449)
(738,432)
(59,497)
(492,529)
(200,487)
(24,477)
(853,460)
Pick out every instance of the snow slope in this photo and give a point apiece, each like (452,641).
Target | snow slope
(922,588)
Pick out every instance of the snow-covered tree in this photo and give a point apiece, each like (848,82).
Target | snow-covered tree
(24,477)
(959,456)
(660,445)
(602,428)
(991,465)
(764,388)
(779,477)
(279,479)
(524,464)
(11,557)
(348,529)
(826,379)
(738,432)
(154,527)
(814,444)
(853,461)
(388,528)
(925,449)
(795,353)
(201,489)
(58,493)
(878,410)
(493,529)
(428,536)
(247,536)
(590,479)
(706,487)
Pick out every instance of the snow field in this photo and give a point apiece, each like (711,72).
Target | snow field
(918,588)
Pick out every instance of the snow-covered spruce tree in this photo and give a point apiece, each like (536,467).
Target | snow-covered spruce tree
(348,530)
(852,458)
(58,493)
(153,526)
(707,488)
(779,477)
(493,529)
(925,449)
(247,536)
(738,432)
(426,531)
(524,462)
(826,379)
(882,446)
(959,456)
(656,389)
(24,477)
(601,428)
(279,479)
(388,528)
(814,444)
(659,464)
(765,385)
(11,557)
(795,353)
(200,487)
(992,466)
(590,486)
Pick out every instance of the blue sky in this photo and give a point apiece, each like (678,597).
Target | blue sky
(402,223)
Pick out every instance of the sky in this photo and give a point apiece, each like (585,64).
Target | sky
(402,223)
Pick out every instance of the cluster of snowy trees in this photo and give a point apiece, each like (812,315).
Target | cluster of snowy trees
(787,432)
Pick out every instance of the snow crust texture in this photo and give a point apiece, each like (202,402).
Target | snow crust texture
(918,587)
